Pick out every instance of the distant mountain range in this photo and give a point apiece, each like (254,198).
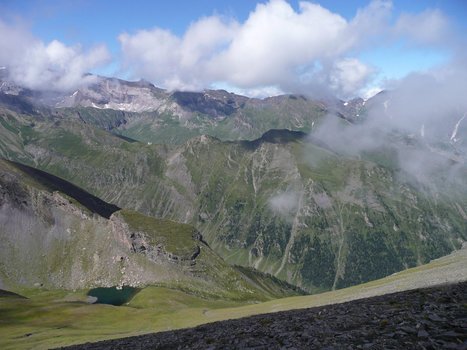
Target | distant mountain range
(156,115)
(150,114)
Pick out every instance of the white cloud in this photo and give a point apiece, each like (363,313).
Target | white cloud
(276,49)
(53,66)
(14,42)
(349,76)
(284,203)
(370,23)
(428,27)
(276,46)
(275,40)
(371,91)
(175,62)
(427,108)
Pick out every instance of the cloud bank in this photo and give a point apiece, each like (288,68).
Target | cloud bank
(46,66)
(276,48)
(419,127)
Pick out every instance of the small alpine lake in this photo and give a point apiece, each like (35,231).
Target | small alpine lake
(116,296)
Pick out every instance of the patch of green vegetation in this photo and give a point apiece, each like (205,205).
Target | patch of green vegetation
(319,262)
(52,319)
(68,143)
(268,282)
(28,133)
(386,157)
(321,165)
(8,294)
(177,238)
(6,125)
(58,318)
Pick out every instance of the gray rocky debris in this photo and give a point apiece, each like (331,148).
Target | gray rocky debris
(432,318)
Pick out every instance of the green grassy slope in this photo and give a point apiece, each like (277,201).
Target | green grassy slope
(56,236)
(289,207)
(51,319)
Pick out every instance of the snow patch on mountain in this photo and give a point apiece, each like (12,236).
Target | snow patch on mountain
(456,129)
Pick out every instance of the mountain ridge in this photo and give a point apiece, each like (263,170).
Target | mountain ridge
(247,202)
(140,110)
(56,235)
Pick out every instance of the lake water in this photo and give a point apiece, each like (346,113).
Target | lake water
(112,295)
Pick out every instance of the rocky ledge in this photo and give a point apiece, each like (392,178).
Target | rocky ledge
(432,318)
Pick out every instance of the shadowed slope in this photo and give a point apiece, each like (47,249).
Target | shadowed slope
(55,183)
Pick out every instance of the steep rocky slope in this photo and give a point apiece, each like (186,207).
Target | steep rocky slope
(419,319)
(141,111)
(116,94)
(49,319)
(285,204)
(55,235)
(183,115)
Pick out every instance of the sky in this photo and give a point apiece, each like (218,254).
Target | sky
(257,48)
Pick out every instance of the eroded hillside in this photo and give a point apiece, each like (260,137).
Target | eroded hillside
(284,204)
(57,236)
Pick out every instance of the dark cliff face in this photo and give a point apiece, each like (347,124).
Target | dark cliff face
(18,104)
(92,203)
(280,137)
(12,193)
(205,103)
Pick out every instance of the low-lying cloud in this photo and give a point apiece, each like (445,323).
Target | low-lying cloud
(420,123)
(428,27)
(46,66)
(284,204)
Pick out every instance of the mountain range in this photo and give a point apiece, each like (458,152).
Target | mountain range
(200,204)
(57,236)
(276,184)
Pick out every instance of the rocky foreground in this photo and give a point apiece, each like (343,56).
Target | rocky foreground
(432,318)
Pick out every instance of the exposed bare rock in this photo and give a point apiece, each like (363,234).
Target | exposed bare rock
(434,318)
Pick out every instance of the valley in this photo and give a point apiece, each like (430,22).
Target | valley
(49,319)
(268,174)
(287,204)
